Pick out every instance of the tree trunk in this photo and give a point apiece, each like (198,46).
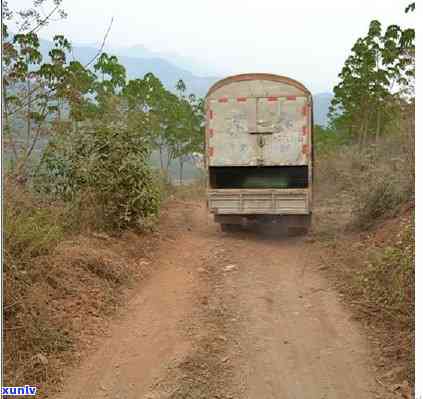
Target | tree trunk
(28,117)
(181,170)
(361,135)
(378,120)
(59,117)
(169,160)
(366,129)
(161,156)
(7,130)
(365,126)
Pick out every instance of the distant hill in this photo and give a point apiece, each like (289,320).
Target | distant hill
(137,67)
(138,60)
(180,61)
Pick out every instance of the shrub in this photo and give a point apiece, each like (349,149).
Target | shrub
(43,274)
(389,280)
(383,179)
(327,140)
(381,195)
(192,191)
(107,165)
(385,287)
(32,226)
(376,180)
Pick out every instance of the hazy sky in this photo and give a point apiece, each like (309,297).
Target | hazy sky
(304,39)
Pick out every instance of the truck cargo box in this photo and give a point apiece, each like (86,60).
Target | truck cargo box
(259,146)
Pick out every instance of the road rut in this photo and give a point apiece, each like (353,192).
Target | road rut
(230,316)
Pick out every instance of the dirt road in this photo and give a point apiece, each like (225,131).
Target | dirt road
(230,316)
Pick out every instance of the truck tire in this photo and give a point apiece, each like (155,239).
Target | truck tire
(297,231)
(229,228)
(302,228)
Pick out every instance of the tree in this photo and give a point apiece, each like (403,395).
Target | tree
(186,134)
(46,97)
(411,7)
(32,19)
(148,101)
(370,80)
(31,92)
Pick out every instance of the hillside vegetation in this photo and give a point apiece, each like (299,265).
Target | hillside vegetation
(137,65)
(365,194)
(138,62)
(91,175)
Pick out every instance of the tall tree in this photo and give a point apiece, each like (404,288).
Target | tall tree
(371,77)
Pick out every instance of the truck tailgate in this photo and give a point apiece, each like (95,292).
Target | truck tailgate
(261,201)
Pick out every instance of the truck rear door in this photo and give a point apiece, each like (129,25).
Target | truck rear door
(284,124)
(258,131)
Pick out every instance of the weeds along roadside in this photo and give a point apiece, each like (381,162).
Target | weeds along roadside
(94,130)
(365,224)
(69,256)
(59,279)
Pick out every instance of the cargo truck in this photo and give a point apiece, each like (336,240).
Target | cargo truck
(259,151)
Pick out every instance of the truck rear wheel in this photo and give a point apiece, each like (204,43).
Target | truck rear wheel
(230,228)
(301,227)
(297,231)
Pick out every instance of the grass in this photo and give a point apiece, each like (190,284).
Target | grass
(364,221)
(60,279)
(33,227)
(193,191)
(375,181)
(33,230)
(375,274)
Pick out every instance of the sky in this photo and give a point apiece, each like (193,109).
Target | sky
(303,39)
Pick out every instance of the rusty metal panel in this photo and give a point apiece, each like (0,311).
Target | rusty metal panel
(285,145)
(231,123)
(256,88)
(258,131)
(268,115)
(263,201)
(265,77)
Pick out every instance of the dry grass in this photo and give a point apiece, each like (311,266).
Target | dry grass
(364,220)
(374,272)
(58,286)
(363,186)
(62,277)
(188,192)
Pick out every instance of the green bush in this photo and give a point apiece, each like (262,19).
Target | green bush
(327,140)
(105,164)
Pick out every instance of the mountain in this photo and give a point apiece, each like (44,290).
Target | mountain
(321,103)
(183,62)
(138,60)
(137,51)
(137,67)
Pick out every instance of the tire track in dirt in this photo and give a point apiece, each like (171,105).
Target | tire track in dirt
(298,340)
(149,334)
(230,316)
(207,370)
